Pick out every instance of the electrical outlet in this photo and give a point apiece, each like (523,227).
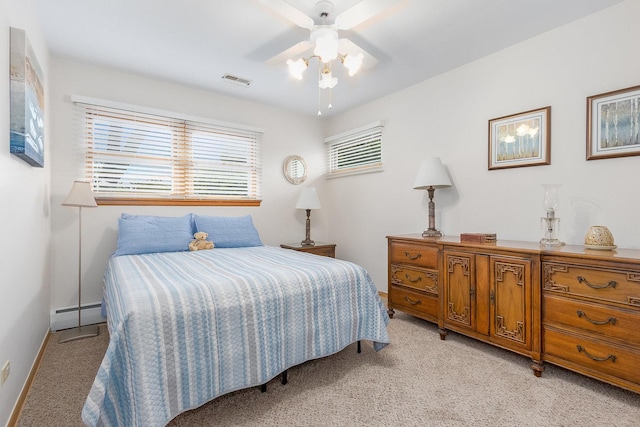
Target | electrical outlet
(6,370)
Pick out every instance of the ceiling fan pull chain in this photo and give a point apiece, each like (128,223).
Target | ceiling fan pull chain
(319,89)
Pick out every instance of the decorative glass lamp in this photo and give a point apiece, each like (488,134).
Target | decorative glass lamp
(431,175)
(549,222)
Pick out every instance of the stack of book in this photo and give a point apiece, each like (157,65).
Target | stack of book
(478,237)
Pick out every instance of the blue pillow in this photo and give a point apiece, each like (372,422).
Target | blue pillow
(228,231)
(143,234)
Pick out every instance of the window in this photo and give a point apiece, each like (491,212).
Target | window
(356,151)
(132,156)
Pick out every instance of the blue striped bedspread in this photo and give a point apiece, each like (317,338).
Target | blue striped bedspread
(186,327)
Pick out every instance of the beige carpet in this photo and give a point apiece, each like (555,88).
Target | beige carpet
(418,380)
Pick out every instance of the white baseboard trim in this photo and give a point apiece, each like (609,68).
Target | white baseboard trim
(67,317)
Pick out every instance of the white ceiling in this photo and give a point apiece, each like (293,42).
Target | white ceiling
(195,42)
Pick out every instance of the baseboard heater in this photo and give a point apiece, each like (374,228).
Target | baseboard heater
(65,318)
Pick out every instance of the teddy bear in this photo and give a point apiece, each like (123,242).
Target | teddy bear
(200,242)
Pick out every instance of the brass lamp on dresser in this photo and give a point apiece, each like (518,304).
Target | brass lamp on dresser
(568,305)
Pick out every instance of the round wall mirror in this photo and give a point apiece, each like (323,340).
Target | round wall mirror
(295,169)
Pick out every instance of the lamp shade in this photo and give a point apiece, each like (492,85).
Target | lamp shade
(432,173)
(80,195)
(308,199)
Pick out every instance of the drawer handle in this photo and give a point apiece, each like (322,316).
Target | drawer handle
(611,283)
(410,301)
(581,349)
(412,258)
(611,320)
(413,280)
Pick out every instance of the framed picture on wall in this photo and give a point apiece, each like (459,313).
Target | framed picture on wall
(27,101)
(522,139)
(613,124)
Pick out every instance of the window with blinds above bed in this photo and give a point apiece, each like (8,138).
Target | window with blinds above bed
(136,156)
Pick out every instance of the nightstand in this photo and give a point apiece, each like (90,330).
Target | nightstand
(320,248)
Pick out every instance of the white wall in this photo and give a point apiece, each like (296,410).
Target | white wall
(444,116)
(276,219)
(24,226)
(447,116)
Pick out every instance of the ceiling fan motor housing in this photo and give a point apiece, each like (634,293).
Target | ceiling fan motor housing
(324,8)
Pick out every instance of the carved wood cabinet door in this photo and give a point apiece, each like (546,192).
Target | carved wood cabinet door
(510,301)
(459,289)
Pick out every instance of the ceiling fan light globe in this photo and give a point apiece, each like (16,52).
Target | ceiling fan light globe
(353,63)
(296,68)
(326,46)
(327,81)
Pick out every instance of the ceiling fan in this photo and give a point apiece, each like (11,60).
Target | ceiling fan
(324,42)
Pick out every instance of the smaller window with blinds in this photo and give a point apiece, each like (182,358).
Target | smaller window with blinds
(134,156)
(356,151)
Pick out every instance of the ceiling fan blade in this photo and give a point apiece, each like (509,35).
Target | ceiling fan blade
(347,47)
(362,11)
(290,12)
(298,50)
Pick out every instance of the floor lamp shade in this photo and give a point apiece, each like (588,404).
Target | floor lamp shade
(308,200)
(79,196)
(431,175)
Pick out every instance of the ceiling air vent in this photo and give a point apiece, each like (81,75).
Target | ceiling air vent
(238,81)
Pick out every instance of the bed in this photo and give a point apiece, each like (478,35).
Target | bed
(187,327)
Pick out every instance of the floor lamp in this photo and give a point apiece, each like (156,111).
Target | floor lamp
(81,196)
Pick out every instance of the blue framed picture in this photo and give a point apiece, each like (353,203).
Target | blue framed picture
(27,101)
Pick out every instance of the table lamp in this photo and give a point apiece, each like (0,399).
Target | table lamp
(308,200)
(431,175)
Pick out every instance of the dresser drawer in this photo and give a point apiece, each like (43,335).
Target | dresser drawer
(610,321)
(414,303)
(422,280)
(593,355)
(421,256)
(604,284)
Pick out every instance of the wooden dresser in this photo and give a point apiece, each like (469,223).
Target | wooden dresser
(571,306)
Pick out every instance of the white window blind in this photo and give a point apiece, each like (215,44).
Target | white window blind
(356,151)
(138,155)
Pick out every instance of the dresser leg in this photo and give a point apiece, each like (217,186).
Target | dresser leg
(391,312)
(537,368)
(443,333)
